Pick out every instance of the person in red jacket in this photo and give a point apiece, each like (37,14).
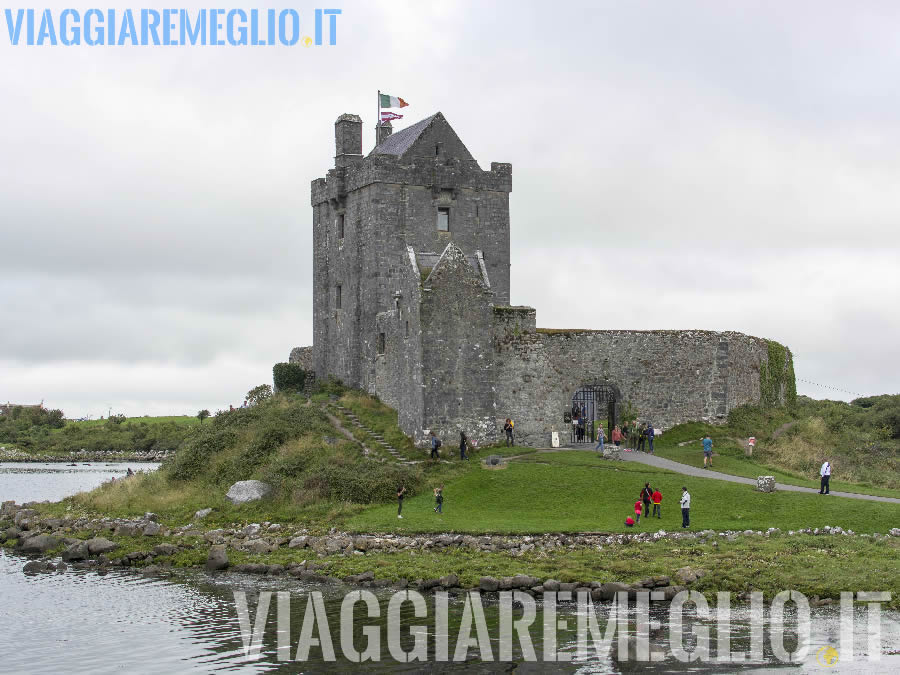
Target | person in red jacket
(638,507)
(629,522)
(657,499)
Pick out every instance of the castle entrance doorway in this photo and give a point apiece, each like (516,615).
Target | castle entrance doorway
(592,404)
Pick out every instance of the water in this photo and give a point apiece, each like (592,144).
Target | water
(83,622)
(51,481)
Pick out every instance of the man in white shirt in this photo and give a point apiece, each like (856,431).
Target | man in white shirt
(825,472)
(685,507)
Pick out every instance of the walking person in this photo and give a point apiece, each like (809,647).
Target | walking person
(646,497)
(638,508)
(650,434)
(825,473)
(435,444)
(400,492)
(508,428)
(657,500)
(707,452)
(600,437)
(685,507)
(439,499)
(463,442)
(641,433)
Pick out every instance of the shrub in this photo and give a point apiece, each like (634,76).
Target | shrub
(259,394)
(361,484)
(194,456)
(330,386)
(288,377)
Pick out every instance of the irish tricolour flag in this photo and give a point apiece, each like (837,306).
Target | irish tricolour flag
(388,101)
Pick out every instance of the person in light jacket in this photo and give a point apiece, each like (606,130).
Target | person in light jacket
(685,507)
(825,473)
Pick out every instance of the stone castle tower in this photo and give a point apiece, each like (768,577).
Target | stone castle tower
(411,247)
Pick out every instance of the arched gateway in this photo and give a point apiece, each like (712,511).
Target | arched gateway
(592,404)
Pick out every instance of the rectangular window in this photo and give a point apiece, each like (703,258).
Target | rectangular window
(443,219)
(340,226)
(380,343)
(337,297)
(407,329)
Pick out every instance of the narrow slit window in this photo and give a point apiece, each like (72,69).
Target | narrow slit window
(340,226)
(443,219)
(380,343)
(407,329)
(337,297)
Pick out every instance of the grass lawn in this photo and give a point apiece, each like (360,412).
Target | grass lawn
(576,491)
(816,565)
(730,459)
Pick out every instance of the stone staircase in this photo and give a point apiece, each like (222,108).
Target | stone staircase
(376,439)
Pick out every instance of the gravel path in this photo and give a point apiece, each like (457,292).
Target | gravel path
(678,467)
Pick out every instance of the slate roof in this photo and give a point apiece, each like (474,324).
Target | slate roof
(401,141)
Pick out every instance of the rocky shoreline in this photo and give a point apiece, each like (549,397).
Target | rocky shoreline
(48,539)
(15,455)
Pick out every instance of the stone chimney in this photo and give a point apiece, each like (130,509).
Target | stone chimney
(347,139)
(382,131)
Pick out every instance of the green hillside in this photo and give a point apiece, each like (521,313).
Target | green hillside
(861,439)
(322,479)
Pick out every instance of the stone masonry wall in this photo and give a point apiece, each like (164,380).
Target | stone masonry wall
(388,203)
(669,376)
(458,355)
(302,356)
(398,371)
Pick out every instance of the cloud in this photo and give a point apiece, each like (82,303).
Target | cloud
(687,165)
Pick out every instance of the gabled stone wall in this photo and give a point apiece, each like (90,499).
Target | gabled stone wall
(457,353)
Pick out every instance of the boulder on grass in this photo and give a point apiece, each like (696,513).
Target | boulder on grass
(765,483)
(247,491)
(688,575)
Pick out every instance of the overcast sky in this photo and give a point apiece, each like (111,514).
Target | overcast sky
(712,165)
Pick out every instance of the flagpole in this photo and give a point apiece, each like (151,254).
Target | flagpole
(378,118)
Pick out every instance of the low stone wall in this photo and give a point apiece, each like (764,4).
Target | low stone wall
(670,377)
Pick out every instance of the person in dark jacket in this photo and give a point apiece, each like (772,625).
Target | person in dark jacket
(508,428)
(400,492)
(646,497)
(650,434)
(463,442)
(641,436)
(435,444)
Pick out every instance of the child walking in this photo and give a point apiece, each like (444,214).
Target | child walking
(439,499)
(657,500)
(638,508)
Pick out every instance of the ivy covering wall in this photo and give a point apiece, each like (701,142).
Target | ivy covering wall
(777,383)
